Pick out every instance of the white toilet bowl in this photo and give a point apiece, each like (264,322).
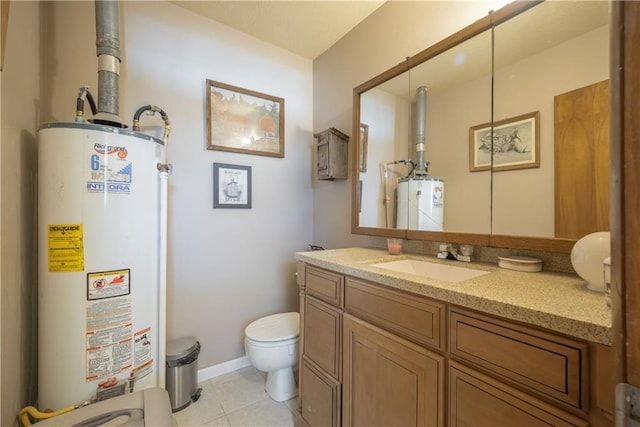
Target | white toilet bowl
(271,344)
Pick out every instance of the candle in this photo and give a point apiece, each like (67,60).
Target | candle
(395,248)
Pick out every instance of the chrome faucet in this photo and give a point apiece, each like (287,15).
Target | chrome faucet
(450,251)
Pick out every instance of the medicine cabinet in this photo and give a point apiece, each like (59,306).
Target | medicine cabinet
(530,66)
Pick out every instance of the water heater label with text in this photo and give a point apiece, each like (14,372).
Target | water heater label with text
(109,338)
(65,248)
(108,284)
(110,170)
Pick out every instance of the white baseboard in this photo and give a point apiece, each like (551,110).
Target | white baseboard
(222,368)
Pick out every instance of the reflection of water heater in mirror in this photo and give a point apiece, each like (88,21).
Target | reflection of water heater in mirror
(421,204)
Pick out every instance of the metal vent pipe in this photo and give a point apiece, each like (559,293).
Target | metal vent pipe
(421,121)
(108,50)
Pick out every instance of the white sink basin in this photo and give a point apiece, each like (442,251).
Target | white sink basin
(444,272)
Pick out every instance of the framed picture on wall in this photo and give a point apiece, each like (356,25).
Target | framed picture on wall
(513,144)
(244,121)
(364,142)
(231,186)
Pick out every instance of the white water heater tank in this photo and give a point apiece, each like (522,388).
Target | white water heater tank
(99,264)
(421,204)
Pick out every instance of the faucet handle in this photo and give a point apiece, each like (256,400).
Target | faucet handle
(466,250)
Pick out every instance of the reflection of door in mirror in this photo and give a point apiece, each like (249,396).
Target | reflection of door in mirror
(582,158)
(549,50)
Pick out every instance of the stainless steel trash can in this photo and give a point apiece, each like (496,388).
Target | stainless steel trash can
(182,372)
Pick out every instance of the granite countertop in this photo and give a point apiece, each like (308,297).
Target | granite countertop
(556,301)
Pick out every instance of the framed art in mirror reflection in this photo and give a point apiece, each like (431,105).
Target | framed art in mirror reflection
(509,144)
(364,142)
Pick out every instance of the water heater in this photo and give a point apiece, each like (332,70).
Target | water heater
(421,204)
(101,330)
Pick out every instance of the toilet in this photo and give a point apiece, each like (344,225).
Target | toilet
(271,344)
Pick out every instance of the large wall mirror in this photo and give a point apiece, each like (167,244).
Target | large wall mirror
(509,117)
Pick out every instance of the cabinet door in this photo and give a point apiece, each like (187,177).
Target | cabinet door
(476,400)
(322,160)
(322,328)
(320,397)
(387,380)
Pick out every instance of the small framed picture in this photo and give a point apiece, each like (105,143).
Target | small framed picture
(231,186)
(513,144)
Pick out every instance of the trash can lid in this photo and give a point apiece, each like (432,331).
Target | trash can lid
(181,347)
(276,327)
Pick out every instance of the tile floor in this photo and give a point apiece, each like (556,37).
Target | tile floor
(238,399)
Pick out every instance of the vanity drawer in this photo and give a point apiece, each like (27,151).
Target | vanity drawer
(548,365)
(410,316)
(325,285)
(478,400)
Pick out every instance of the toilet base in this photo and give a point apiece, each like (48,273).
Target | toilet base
(281,385)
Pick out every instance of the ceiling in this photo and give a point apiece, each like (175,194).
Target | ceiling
(305,27)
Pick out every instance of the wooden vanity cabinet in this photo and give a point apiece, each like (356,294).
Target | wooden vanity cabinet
(371,367)
(374,356)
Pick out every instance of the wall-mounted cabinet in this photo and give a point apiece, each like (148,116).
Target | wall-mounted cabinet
(332,154)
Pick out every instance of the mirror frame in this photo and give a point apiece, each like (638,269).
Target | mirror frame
(559,245)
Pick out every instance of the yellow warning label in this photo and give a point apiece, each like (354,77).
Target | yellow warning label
(65,248)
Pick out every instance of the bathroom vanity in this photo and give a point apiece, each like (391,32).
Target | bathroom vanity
(506,348)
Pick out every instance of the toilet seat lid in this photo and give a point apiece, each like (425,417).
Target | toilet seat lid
(276,327)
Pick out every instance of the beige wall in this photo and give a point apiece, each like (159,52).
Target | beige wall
(226,267)
(20,113)
(394,31)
